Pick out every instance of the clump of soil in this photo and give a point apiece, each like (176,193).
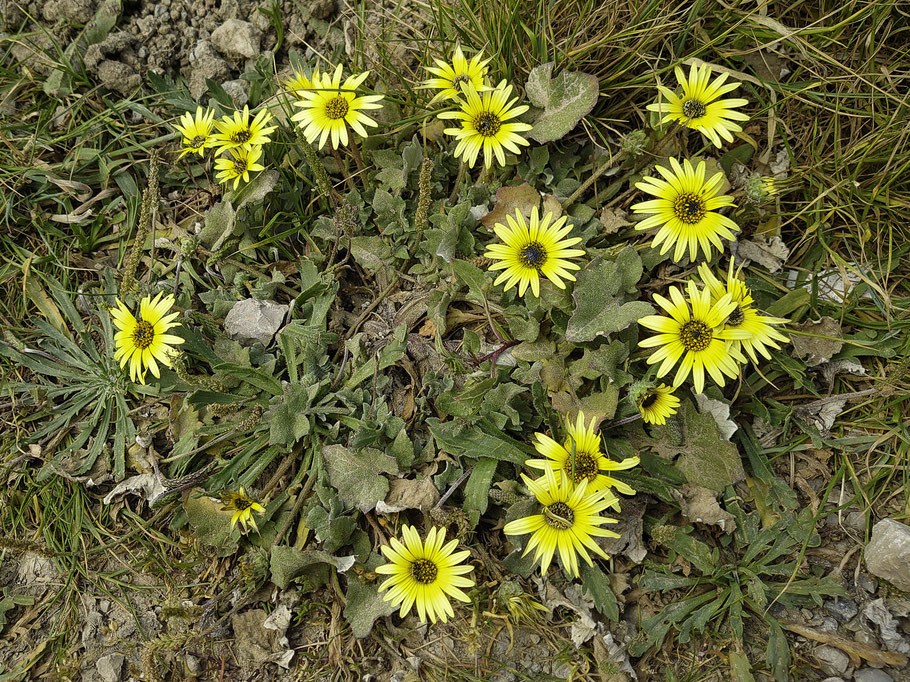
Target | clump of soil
(198,39)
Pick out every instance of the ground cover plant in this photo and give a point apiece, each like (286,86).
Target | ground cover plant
(456,340)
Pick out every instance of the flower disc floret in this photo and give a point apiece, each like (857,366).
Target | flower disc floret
(694,335)
(531,250)
(757,331)
(450,79)
(425,574)
(699,108)
(330,107)
(487,125)
(240,133)
(196,131)
(685,210)
(568,523)
(579,458)
(145,342)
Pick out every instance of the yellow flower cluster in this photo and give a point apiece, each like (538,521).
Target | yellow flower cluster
(572,493)
(485,114)
(237,135)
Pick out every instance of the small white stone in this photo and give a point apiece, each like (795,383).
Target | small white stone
(251,321)
(888,553)
(109,667)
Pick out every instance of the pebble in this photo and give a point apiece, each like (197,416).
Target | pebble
(251,321)
(865,637)
(888,553)
(842,609)
(868,583)
(109,667)
(833,661)
(828,624)
(871,675)
(236,38)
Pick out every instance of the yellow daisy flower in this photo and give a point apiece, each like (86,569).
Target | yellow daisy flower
(425,574)
(241,133)
(533,250)
(450,77)
(685,210)
(299,83)
(580,459)
(243,507)
(698,107)
(238,165)
(330,107)
(484,125)
(196,131)
(568,523)
(694,332)
(657,403)
(145,342)
(771,185)
(745,318)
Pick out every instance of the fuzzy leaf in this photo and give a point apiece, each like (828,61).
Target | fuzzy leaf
(288,420)
(477,489)
(219,224)
(211,524)
(597,585)
(365,603)
(257,188)
(565,100)
(312,566)
(601,306)
(371,252)
(357,475)
(474,441)
(703,455)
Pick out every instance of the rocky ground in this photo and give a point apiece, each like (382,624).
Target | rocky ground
(198,40)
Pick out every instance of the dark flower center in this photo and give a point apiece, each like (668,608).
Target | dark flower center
(241,136)
(692,108)
(424,571)
(459,79)
(195,143)
(240,166)
(559,515)
(585,467)
(143,334)
(336,108)
(487,124)
(241,503)
(534,255)
(736,317)
(689,208)
(649,399)
(695,335)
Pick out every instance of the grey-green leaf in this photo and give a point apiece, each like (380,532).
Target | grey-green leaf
(365,603)
(565,100)
(358,475)
(601,304)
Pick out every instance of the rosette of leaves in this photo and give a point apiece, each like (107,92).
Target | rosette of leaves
(72,398)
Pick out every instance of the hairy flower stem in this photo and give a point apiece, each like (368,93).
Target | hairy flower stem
(358,159)
(322,178)
(462,169)
(147,212)
(610,161)
(424,198)
(343,167)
